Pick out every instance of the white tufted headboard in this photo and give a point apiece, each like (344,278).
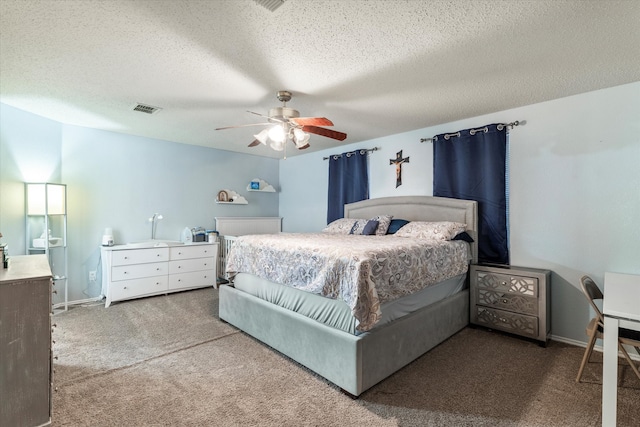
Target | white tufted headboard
(421,208)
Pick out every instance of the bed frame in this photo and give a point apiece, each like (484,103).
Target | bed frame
(356,363)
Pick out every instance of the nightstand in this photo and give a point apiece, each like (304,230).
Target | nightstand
(512,299)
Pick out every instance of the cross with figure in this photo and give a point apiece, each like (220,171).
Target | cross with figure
(398,161)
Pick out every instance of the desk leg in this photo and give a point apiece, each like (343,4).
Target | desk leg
(610,372)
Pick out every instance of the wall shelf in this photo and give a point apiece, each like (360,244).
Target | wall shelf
(233,198)
(260,186)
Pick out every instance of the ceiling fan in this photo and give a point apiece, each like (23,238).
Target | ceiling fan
(285,124)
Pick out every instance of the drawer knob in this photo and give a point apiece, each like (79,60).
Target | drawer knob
(158,269)
(179,266)
(179,253)
(124,287)
(125,272)
(126,257)
(504,283)
(54,292)
(504,301)
(157,254)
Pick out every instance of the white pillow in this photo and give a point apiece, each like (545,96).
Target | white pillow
(341,225)
(440,230)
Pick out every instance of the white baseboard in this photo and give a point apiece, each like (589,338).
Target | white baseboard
(78,302)
(632,354)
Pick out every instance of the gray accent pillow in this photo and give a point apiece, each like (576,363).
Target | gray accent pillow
(383,224)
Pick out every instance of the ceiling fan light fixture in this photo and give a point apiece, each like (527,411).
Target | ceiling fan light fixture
(277,134)
(285,125)
(262,136)
(300,138)
(277,145)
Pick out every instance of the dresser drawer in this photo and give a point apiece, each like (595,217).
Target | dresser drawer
(139,256)
(516,323)
(511,283)
(139,287)
(196,251)
(507,301)
(188,265)
(196,279)
(137,271)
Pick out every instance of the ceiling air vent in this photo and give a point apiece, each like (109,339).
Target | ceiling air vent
(270,4)
(146,109)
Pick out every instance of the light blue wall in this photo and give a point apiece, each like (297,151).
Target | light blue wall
(118,181)
(575,189)
(29,152)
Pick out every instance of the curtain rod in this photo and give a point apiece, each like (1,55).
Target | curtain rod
(473,131)
(362,151)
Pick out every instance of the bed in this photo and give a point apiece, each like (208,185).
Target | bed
(353,357)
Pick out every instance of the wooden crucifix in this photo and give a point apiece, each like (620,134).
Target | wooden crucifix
(398,161)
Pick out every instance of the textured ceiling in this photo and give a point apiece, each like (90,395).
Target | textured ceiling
(374,68)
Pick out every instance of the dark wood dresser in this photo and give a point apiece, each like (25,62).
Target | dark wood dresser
(25,342)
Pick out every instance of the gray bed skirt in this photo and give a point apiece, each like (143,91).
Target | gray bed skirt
(353,363)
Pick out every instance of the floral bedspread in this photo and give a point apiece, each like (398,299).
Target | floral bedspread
(364,271)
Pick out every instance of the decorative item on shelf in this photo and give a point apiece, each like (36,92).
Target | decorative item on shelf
(230,197)
(223,196)
(41,242)
(257,184)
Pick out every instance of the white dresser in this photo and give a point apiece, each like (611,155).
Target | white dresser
(129,271)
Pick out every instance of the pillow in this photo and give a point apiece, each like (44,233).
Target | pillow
(383,224)
(364,227)
(358,226)
(464,236)
(441,230)
(395,225)
(341,226)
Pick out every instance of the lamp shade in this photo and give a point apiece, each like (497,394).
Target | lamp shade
(262,136)
(300,138)
(46,199)
(277,134)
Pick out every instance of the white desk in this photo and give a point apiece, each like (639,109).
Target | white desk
(621,309)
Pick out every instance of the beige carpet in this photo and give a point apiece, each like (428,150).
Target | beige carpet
(169,361)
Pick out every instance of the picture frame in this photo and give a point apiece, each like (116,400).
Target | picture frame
(223,196)
(255,185)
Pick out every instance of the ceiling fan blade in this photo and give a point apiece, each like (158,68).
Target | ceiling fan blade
(272,119)
(244,126)
(325,132)
(254,143)
(307,145)
(312,121)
